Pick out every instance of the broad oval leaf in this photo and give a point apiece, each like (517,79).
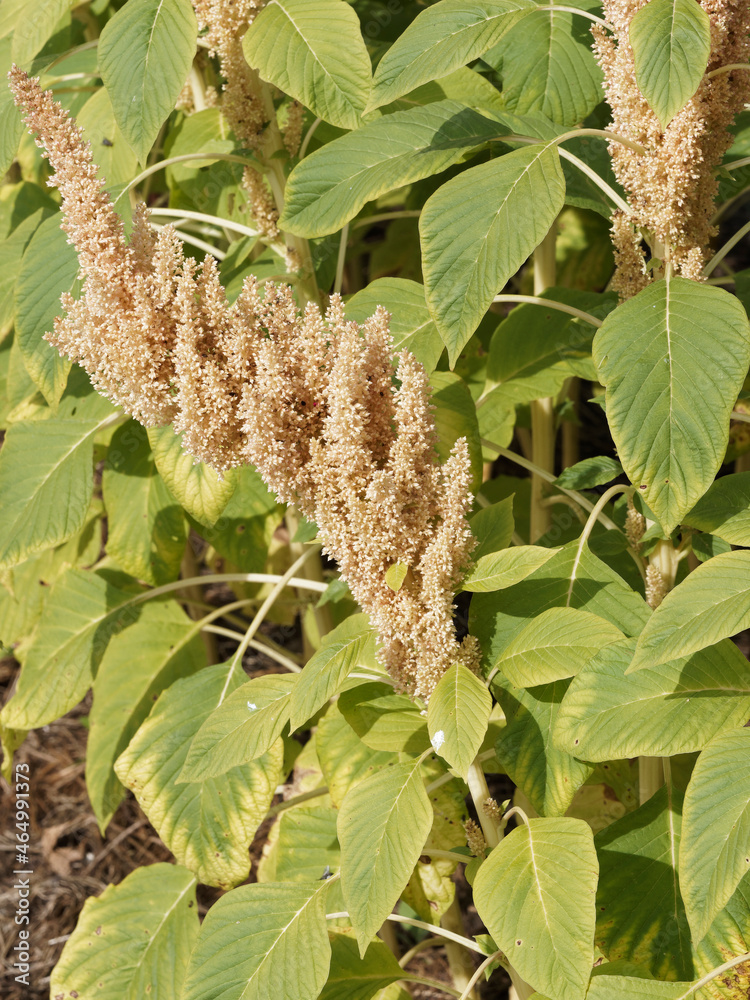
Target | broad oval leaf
(440,39)
(535,894)
(411,325)
(456,417)
(713,602)
(47,478)
(11,122)
(146,533)
(590,472)
(260,941)
(671,42)
(637,851)
(145,54)
(565,580)
(134,940)
(479,228)
(207,825)
(243,727)
(548,776)
(714,855)
(197,487)
(725,509)
(498,570)
(384,720)
(297,45)
(38,303)
(156,650)
(458,716)
(82,613)
(350,643)
(547,67)
(344,758)
(610,987)
(657,712)
(331,185)
(376,858)
(355,978)
(673,360)
(558,643)
(35,28)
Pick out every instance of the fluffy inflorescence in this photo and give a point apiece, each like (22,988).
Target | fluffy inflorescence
(308,399)
(671,187)
(224,23)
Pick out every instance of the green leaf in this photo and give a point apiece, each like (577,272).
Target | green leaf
(458,716)
(46,481)
(241,728)
(499,570)
(31,33)
(330,186)
(725,509)
(671,42)
(376,858)
(729,935)
(348,645)
(384,720)
(657,712)
(456,417)
(146,527)
(134,940)
(395,576)
(11,123)
(145,54)
(547,67)
(532,349)
(493,529)
(260,941)
(116,161)
(81,614)
(306,844)
(590,472)
(535,895)
(713,602)
(344,758)
(297,46)
(148,656)
(714,855)
(207,825)
(636,988)
(38,303)
(411,326)
(563,581)
(197,487)
(440,40)
(673,360)
(640,915)
(479,228)
(355,978)
(549,777)
(12,250)
(557,643)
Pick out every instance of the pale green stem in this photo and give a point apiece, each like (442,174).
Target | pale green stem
(413,922)
(445,778)
(593,176)
(306,141)
(497,957)
(341,261)
(459,962)
(197,88)
(387,217)
(433,983)
(260,647)
(315,793)
(195,242)
(588,528)
(551,304)
(480,793)
(181,213)
(517,811)
(71,52)
(736,164)
(744,417)
(729,68)
(650,777)
(542,410)
(187,158)
(714,973)
(167,588)
(729,245)
(419,946)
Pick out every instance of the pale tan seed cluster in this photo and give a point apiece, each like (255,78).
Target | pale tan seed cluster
(308,399)
(656,589)
(475,838)
(671,187)
(225,22)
